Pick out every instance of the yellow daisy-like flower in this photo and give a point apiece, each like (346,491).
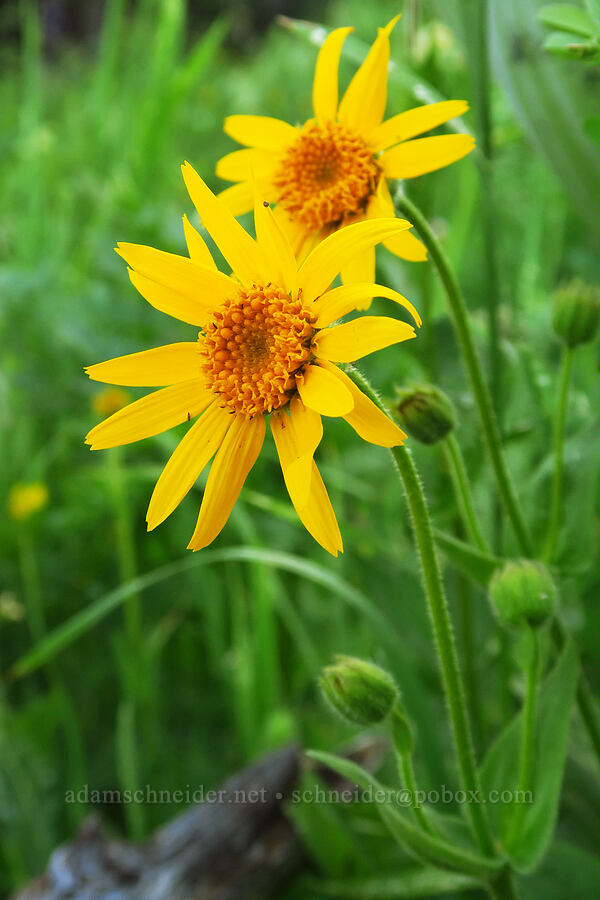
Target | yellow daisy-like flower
(265,348)
(334,170)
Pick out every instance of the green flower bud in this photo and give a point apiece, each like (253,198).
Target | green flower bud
(523,593)
(359,691)
(402,734)
(575,312)
(426,413)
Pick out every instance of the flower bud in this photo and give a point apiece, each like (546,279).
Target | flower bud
(426,413)
(359,691)
(402,731)
(522,592)
(575,312)
(25,500)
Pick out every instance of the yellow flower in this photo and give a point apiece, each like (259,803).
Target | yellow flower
(25,500)
(335,169)
(265,347)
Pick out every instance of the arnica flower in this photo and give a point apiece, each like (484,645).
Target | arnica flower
(265,348)
(334,170)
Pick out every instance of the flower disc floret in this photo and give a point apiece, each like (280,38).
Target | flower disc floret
(254,346)
(326,176)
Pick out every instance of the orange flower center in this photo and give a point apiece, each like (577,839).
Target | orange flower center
(254,346)
(326,176)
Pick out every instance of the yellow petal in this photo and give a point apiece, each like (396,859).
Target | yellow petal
(363,104)
(424,155)
(297,436)
(301,240)
(405,245)
(320,390)
(414,121)
(263,132)
(196,245)
(188,459)
(318,516)
(369,422)
(235,457)
(190,291)
(168,301)
(239,249)
(157,412)
(353,340)
(237,198)
(342,300)
(150,368)
(246,164)
(361,268)
(331,255)
(325,84)
(273,241)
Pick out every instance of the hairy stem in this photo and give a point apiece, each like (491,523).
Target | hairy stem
(489,424)
(442,628)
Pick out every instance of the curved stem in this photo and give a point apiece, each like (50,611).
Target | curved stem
(560,416)
(442,629)
(526,751)
(407,773)
(480,391)
(462,490)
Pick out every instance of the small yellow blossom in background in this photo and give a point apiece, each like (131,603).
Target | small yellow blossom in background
(334,169)
(266,348)
(26,499)
(110,400)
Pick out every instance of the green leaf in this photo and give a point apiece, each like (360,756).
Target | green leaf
(422,845)
(88,618)
(565,17)
(410,883)
(468,559)
(562,44)
(499,769)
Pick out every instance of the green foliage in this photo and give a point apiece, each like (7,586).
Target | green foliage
(555,710)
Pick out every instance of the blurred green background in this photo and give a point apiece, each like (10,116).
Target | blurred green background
(97,112)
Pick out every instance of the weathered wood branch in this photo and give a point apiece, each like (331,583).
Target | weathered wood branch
(240,847)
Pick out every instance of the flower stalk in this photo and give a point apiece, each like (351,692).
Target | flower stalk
(442,627)
(480,391)
(527,747)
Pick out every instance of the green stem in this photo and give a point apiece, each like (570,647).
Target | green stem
(442,628)
(527,748)
(479,11)
(462,490)
(480,392)
(407,774)
(559,440)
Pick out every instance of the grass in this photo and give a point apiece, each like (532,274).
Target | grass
(230,641)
